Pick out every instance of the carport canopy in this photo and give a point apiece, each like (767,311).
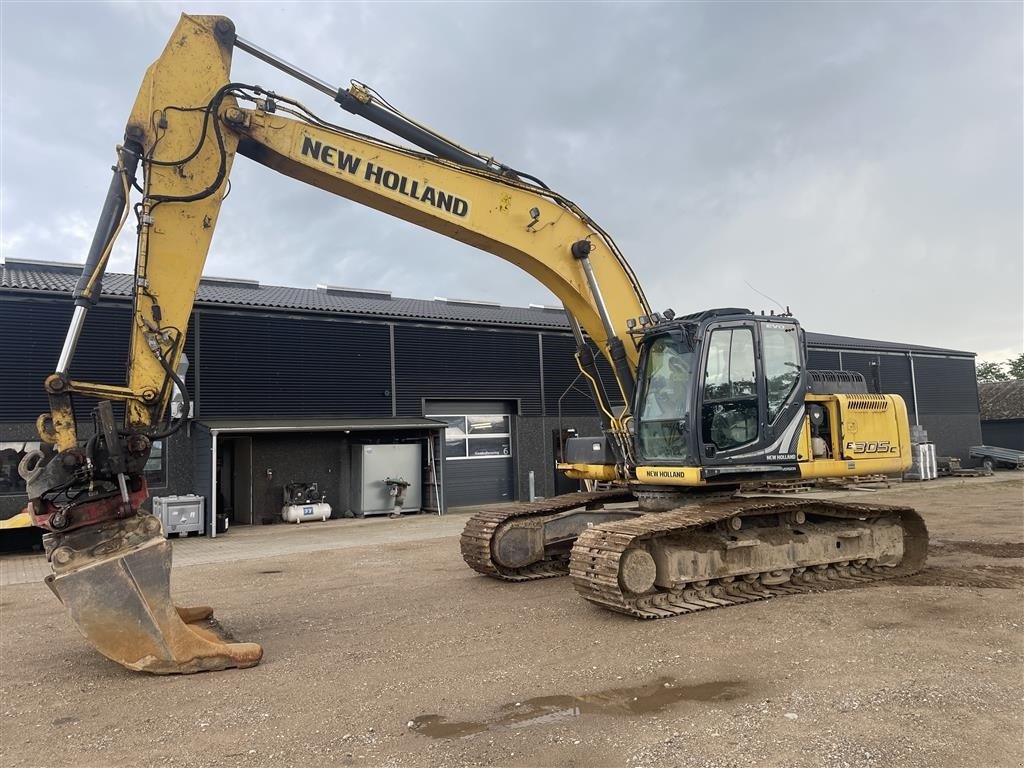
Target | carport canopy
(207,470)
(318,425)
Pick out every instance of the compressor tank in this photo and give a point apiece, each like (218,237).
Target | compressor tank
(303,513)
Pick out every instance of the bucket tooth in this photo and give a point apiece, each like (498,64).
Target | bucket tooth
(114,579)
(195,613)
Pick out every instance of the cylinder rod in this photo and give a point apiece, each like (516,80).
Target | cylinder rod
(370,111)
(71,339)
(87,291)
(284,66)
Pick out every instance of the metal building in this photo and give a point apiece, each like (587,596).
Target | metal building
(287,383)
(1002,413)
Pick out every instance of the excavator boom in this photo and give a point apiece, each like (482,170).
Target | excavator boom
(111,565)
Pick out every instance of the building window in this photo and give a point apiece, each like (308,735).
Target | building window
(156,467)
(476,436)
(11,454)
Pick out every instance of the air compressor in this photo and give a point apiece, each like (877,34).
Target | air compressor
(303,502)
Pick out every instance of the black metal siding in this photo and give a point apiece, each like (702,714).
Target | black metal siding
(278,366)
(1008,433)
(33,333)
(190,350)
(895,370)
(463,364)
(202,458)
(864,364)
(560,371)
(821,360)
(946,385)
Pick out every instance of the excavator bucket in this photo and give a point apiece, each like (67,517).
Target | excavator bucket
(114,579)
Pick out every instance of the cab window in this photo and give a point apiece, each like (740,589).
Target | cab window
(781,364)
(665,400)
(729,412)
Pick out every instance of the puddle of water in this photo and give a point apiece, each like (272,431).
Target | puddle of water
(547,710)
(271,571)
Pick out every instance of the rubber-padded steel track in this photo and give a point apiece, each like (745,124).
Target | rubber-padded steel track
(481,527)
(594,564)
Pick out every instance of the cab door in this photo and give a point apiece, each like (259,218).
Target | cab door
(752,393)
(730,416)
(783,359)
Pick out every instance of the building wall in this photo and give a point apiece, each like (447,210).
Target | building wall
(947,390)
(300,457)
(265,366)
(1005,433)
(261,363)
(466,364)
(536,440)
(33,329)
(953,434)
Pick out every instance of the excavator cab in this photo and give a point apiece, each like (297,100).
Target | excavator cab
(723,390)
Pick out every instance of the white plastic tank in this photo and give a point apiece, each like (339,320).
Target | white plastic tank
(303,513)
(181,514)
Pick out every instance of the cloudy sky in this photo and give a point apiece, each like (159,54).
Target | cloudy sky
(860,163)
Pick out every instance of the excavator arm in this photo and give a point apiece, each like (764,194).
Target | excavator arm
(111,565)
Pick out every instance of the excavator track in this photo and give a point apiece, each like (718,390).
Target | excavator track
(600,554)
(481,528)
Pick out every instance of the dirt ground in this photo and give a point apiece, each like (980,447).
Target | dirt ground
(396,654)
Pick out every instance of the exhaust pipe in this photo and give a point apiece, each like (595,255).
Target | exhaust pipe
(114,579)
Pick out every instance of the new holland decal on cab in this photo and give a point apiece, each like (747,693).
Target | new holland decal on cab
(346,162)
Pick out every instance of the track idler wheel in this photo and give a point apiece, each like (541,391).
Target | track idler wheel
(115,580)
(637,571)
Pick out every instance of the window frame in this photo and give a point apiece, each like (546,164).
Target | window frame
(721,455)
(161,480)
(468,437)
(766,329)
(729,381)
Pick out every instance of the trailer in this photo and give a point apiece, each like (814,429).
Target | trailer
(993,457)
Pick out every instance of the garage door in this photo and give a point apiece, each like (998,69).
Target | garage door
(478,467)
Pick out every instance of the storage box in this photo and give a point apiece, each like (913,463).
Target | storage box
(181,514)
(372,465)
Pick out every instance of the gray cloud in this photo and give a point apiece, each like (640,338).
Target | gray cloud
(860,163)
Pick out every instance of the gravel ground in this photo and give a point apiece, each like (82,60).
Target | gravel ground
(396,654)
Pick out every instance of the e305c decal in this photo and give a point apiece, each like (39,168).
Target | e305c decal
(879,446)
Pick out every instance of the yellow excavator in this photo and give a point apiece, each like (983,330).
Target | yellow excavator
(712,399)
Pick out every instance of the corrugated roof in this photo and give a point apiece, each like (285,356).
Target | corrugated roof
(56,277)
(1001,399)
(61,278)
(832,341)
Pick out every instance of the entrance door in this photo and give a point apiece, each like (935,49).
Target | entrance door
(234,479)
(479,466)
